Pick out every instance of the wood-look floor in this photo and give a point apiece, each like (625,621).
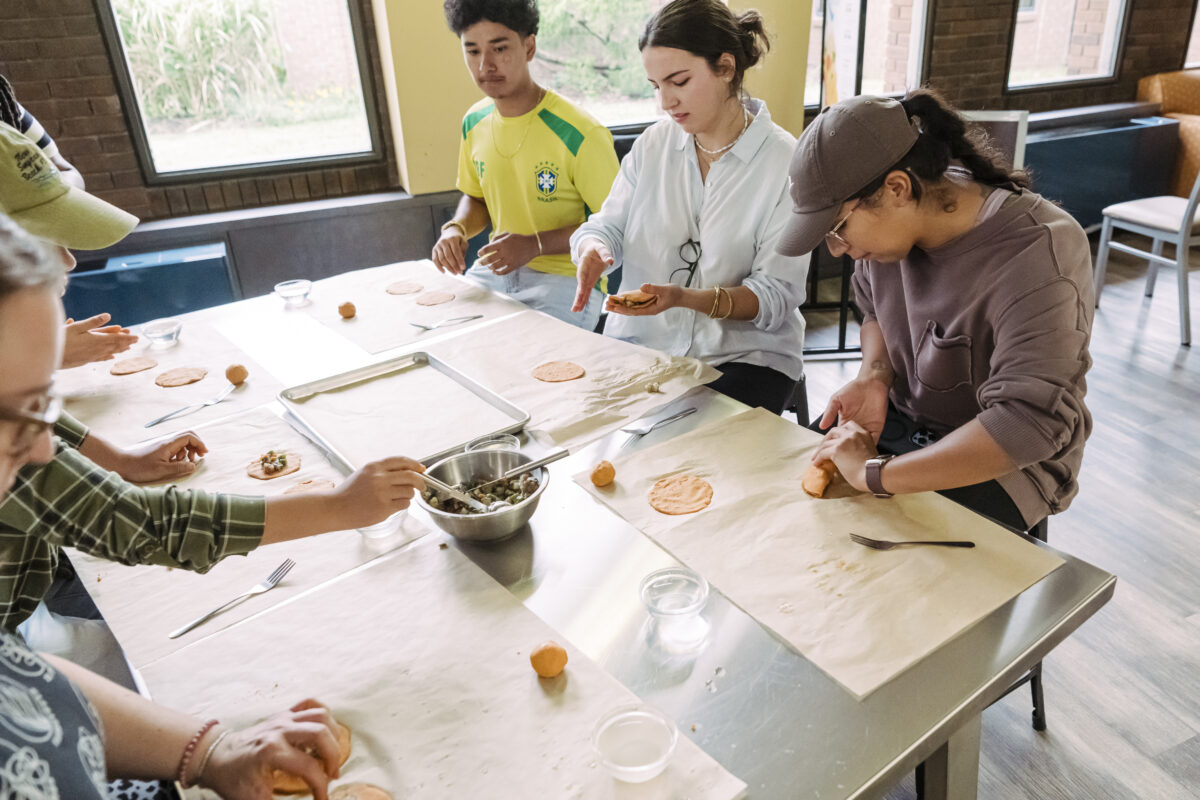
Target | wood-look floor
(1123,693)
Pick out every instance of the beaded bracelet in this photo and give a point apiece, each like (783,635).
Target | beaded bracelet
(181,773)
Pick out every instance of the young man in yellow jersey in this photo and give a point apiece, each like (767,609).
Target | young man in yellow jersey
(531,165)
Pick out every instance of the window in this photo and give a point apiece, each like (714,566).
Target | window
(890,34)
(1069,40)
(1192,59)
(587,52)
(223,86)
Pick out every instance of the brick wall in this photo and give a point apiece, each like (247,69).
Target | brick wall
(53,53)
(970,48)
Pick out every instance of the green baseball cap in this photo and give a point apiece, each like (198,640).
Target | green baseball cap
(34,195)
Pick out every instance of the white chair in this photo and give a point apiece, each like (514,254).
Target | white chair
(1163,219)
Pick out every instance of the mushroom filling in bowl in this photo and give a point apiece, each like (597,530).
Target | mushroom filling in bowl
(513,491)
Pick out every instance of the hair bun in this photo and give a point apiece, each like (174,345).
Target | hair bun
(754,39)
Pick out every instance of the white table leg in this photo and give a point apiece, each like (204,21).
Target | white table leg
(952,772)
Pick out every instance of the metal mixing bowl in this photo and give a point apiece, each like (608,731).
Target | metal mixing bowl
(476,467)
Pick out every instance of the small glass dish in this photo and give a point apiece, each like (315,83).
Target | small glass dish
(162,333)
(635,742)
(674,593)
(675,596)
(497,441)
(382,530)
(294,293)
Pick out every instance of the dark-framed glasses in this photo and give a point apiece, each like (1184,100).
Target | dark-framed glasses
(689,252)
(31,422)
(833,237)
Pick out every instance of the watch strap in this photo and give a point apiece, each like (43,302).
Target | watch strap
(874,475)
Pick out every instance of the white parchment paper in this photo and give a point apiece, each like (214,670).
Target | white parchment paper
(144,603)
(613,391)
(382,321)
(118,407)
(861,615)
(426,659)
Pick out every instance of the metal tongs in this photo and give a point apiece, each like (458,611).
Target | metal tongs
(549,458)
(456,494)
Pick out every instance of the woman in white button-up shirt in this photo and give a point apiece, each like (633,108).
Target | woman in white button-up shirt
(697,208)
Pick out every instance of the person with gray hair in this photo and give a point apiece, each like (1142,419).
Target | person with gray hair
(100,730)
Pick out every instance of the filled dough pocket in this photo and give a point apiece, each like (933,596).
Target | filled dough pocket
(943,363)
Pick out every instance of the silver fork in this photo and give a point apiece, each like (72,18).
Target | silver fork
(880,544)
(446,322)
(271,582)
(194,407)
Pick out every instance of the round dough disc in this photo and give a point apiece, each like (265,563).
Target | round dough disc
(129,366)
(359,791)
(680,494)
(435,298)
(255,468)
(558,371)
(286,783)
(403,287)
(181,376)
(310,485)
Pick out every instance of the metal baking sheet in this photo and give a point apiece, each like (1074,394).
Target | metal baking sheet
(415,405)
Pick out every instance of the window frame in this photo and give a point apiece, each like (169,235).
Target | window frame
(1183,62)
(1119,39)
(131,108)
(922,68)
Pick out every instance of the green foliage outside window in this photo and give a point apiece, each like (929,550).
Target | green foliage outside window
(590,48)
(201,58)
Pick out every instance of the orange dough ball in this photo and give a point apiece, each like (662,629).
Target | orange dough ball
(548,659)
(236,374)
(603,474)
(347,310)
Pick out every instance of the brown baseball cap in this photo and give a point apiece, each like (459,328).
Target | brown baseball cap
(846,147)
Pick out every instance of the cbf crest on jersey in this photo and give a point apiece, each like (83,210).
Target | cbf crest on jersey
(546,181)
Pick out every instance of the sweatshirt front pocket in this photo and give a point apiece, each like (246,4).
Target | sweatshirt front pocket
(943,362)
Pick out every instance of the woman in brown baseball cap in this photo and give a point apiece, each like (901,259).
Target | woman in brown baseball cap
(977,301)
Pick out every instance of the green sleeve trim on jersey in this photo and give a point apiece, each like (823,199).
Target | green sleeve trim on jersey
(564,130)
(471,120)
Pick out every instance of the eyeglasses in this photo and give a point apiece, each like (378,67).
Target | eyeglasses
(833,237)
(31,422)
(689,251)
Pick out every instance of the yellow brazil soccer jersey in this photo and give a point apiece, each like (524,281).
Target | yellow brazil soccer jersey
(537,172)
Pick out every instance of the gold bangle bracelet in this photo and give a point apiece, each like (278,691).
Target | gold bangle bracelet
(712,312)
(729,297)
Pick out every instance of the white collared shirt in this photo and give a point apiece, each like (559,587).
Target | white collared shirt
(659,201)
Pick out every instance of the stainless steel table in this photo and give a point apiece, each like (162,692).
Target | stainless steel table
(750,700)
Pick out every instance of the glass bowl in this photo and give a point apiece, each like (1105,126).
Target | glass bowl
(674,593)
(162,333)
(382,530)
(635,742)
(497,441)
(294,293)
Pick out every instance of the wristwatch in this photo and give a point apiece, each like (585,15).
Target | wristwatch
(874,475)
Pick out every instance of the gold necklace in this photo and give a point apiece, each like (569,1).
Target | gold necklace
(524,136)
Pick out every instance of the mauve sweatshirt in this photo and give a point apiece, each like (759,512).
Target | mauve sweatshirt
(994,325)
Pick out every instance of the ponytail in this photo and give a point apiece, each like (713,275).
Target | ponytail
(945,139)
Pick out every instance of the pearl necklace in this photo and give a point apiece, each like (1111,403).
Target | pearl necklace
(720,150)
